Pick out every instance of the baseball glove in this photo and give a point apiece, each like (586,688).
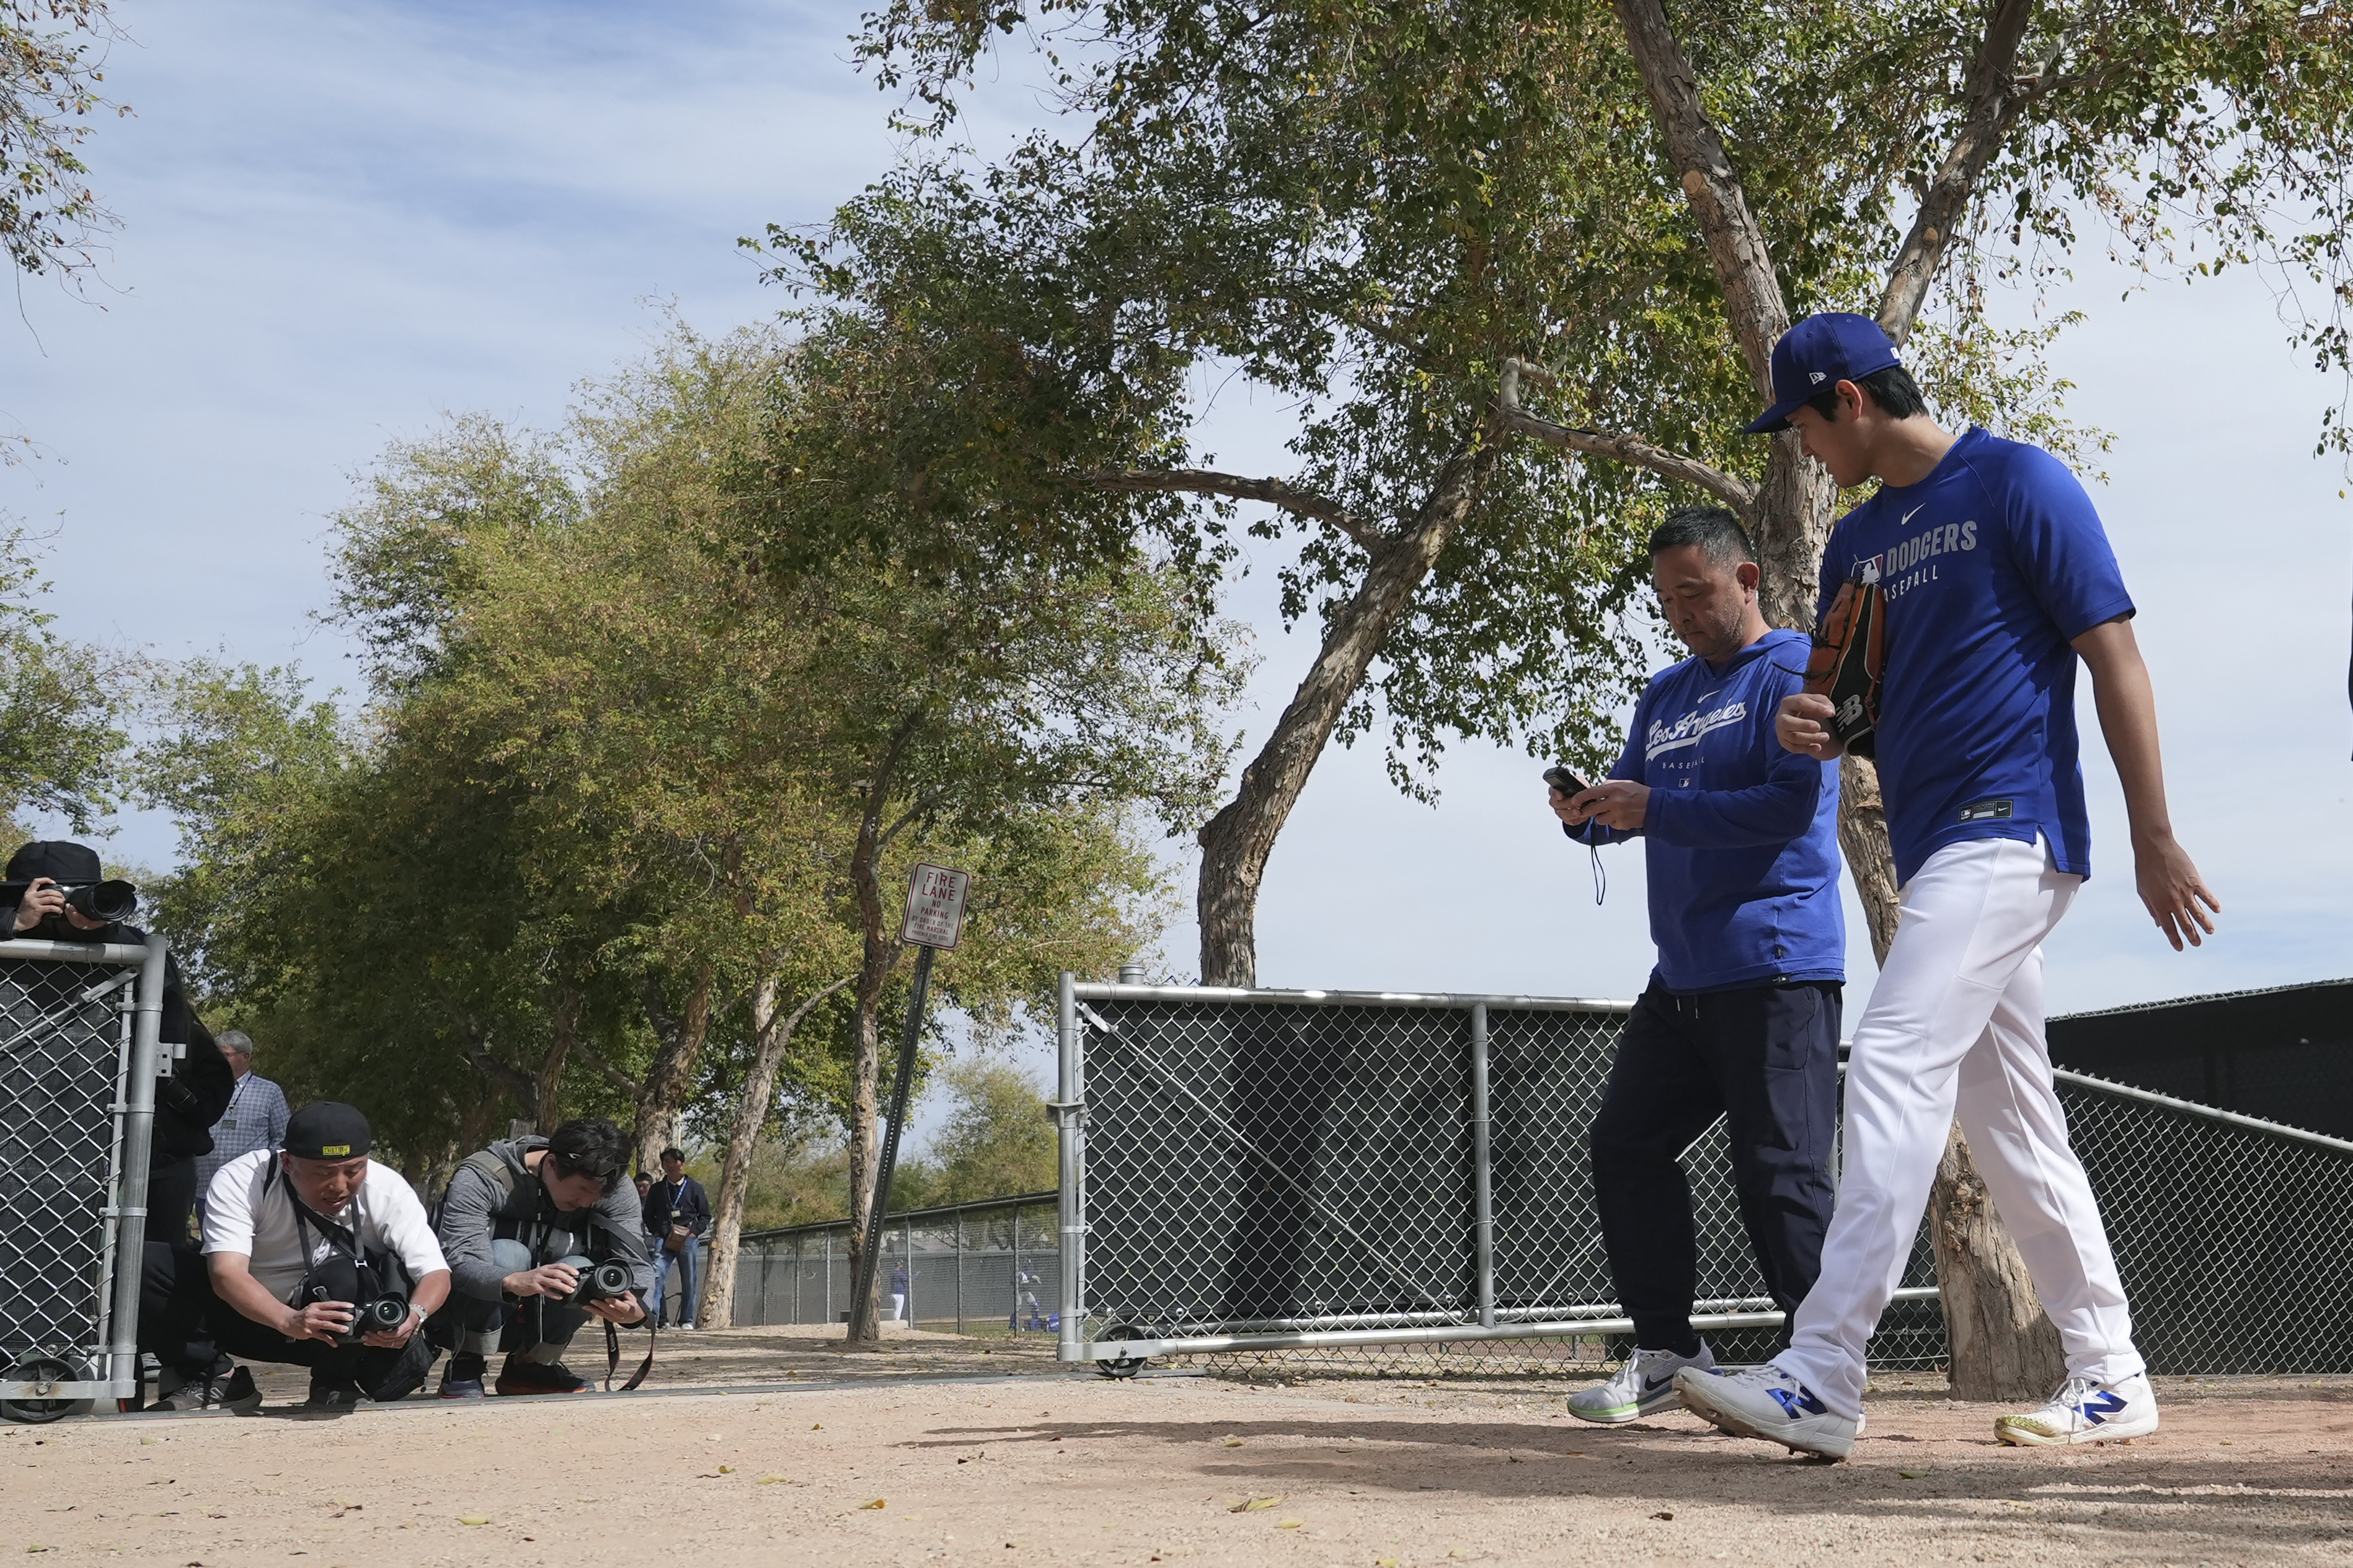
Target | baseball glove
(1849,653)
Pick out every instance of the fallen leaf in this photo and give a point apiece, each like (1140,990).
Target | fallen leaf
(473,1518)
(1288,1524)
(726,1469)
(149,1442)
(770,1480)
(1912,1475)
(1663,1514)
(1252,1505)
(876,1504)
(37,1549)
(816,1426)
(1233,1442)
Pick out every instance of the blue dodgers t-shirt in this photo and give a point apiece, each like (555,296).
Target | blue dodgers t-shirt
(1740,838)
(1993,564)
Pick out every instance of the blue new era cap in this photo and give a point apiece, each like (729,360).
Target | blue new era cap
(1817,354)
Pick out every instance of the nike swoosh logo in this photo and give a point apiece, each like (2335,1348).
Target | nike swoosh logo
(1652,1384)
(1908,516)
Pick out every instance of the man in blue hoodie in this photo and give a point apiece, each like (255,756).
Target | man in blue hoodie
(1741,1016)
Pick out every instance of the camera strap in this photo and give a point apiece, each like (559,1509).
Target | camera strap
(613,1353)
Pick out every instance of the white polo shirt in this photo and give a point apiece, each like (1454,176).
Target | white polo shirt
(246,1213)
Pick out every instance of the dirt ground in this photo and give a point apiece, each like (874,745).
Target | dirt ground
(769,1446)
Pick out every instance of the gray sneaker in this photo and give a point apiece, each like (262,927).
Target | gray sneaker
(1643,1386)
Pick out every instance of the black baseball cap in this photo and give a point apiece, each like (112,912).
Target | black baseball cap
(59,860)
(1815,355)
(327,1130)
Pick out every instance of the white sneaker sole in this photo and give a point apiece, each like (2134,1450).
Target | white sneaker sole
(1620,1415)
(2014,1431)
(1738,1425)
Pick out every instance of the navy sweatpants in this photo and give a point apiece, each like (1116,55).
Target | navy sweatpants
(1765,1058)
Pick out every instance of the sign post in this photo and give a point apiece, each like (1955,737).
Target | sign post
(934,920)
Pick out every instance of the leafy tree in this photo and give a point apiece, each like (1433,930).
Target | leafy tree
(62,705)
(50,59)
(992,1143)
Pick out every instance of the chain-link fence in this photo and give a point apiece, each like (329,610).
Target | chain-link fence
(972,1268)
(1401,1180)
(2234,1236)
(77,1063)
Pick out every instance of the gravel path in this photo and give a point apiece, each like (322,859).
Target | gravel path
(931,1453)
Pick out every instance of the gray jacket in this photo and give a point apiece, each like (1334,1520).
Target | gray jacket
(479,1208)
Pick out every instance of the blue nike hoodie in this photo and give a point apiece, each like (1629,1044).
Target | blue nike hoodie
(1740,837)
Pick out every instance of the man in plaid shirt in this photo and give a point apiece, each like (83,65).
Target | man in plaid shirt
(256,1117)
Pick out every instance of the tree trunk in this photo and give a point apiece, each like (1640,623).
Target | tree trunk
(1236,842)
(2001,1341)
(774,1038)
(563,1031)
(669,1082)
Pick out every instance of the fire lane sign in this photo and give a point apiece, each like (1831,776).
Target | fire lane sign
(935,897)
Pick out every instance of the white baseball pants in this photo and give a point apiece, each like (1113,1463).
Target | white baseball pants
(1955,1028)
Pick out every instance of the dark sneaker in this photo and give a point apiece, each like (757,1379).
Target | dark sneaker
(236,1392)
(409,1373)
(521,1376)
(331,1393)
(462,1378)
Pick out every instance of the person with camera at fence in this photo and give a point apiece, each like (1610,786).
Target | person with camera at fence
(543,1234)
(58,891)
(1956,602)
(677,1213)
(255,1119)
(314,1256)
(1740,1018)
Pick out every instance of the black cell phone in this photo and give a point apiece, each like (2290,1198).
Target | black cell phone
(1568,783)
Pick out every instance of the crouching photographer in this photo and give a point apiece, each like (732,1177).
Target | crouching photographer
(317,1257)
(541,1235)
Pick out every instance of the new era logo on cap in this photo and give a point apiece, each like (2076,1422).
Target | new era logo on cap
(1833,347)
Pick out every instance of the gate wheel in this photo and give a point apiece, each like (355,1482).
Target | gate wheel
(39,1412)
(1125,1366)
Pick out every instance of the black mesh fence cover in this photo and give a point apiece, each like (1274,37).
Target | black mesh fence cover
(61,1050)
(1278,1165)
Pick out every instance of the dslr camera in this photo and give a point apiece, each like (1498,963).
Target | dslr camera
(101,903)
(383,1315)
(605,1281)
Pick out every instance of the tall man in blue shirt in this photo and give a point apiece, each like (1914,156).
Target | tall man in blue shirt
(1741,1016)
(1997,577)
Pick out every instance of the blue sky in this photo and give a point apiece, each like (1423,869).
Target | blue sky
(344,221)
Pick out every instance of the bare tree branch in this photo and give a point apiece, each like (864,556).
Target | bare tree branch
(1995,99)
(1274,492)
(1736,492)
(1735,243)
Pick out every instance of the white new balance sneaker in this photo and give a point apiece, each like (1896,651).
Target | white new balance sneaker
(1643,1386)
(2083,1411)
(1767,1403)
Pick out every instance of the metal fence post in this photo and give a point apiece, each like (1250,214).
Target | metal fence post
(1070,1113)
(1482,1190)
(130,1203)
(959,1270)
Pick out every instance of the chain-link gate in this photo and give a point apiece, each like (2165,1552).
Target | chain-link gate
(1316,1175)
(77,1063)
(1323,1173)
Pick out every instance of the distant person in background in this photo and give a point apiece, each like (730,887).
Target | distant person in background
(256,1117)
(898,1293)
(676,1212)
(192,1096)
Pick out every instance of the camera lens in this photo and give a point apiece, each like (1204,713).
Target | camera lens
(104,902)
(608,1280)
(381,1315)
